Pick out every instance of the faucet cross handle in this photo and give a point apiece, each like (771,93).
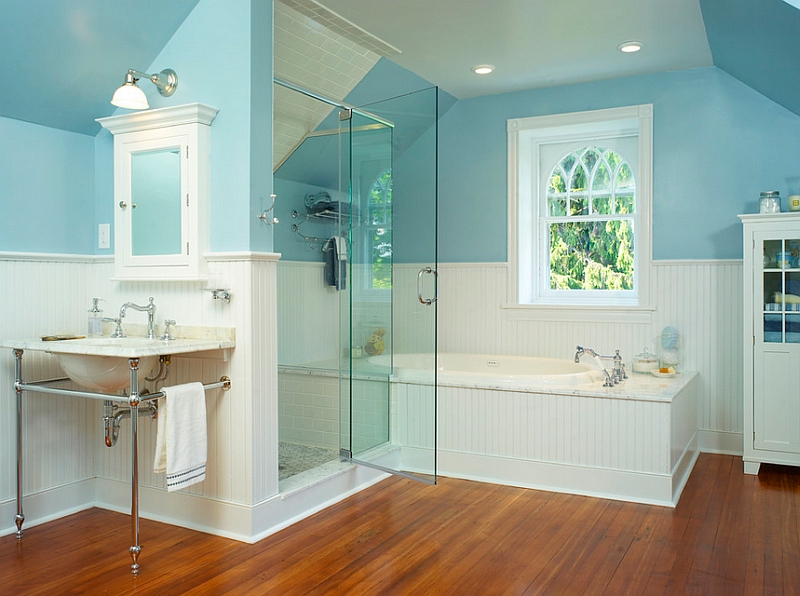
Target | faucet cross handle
(167,331)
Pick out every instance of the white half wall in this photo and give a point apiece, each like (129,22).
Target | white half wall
(702,299)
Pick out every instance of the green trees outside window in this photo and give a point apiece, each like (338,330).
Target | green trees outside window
(379,230)
(591,201)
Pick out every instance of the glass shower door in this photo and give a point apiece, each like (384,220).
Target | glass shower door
(388,315)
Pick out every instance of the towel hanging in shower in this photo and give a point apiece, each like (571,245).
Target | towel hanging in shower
(335,252)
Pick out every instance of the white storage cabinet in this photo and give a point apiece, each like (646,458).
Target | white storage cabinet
(771,340)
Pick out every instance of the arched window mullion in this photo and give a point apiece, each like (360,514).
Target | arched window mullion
(600,271)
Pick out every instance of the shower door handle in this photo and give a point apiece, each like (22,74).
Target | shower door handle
(430,271)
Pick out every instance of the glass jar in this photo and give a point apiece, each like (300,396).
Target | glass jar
(645,362)
(769,202)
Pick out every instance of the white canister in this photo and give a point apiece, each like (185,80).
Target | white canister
(794,202)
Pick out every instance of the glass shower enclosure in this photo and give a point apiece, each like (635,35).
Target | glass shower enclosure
(380,264)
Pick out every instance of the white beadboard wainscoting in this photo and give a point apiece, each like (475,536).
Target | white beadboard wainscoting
(66,465)
(633,442)
(702,299)
(44,298)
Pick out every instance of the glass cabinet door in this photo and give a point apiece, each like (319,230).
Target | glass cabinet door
(780,289)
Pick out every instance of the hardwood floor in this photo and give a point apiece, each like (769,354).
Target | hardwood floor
(730,534)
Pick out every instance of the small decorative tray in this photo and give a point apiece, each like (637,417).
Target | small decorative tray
(658,373)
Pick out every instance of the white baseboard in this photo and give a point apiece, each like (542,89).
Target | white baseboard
(620,485)
(714,441)
(237,521)
(48,505)
(282,511)
(683,469)
(212,516)
(252,523)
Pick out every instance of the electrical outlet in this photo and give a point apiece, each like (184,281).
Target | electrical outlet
(104,236)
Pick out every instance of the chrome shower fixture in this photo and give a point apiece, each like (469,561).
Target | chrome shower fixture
(265,217)
(130,95)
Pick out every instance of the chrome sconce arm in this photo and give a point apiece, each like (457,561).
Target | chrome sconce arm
(130,96)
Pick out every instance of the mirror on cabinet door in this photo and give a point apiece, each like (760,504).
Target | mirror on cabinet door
(161,188)
(156,202)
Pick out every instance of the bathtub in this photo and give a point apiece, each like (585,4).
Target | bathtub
(542,423)
(546,423)
(487,370)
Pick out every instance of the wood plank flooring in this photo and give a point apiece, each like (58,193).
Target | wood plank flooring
(730,534)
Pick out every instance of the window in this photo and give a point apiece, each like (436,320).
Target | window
(579,208)
(378,231)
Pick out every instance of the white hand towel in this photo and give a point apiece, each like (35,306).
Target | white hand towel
(182,440)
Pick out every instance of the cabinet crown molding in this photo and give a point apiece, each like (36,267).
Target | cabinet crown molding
(189,113)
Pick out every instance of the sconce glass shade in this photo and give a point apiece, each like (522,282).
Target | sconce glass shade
(130,96)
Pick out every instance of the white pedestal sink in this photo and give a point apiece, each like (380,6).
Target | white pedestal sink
(106,374)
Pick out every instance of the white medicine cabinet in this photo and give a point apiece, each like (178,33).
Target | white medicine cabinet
(161,192)
(772,340)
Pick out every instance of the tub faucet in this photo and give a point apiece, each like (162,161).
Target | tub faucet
(581,351)
(617,373)
(150,309)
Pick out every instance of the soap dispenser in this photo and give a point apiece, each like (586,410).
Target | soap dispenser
(95,319)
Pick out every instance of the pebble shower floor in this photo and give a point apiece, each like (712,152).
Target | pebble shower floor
(294,458)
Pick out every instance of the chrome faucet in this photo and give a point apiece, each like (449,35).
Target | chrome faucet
(616,375)
(581,351)
(150,309)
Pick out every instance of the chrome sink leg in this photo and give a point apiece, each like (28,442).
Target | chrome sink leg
(19,519)
(133,401)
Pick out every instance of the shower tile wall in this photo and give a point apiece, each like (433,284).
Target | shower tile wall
(308,409)
(307,54)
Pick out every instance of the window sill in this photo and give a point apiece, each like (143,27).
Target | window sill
(579,313)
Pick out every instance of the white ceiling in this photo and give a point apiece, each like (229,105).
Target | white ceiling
(532,43)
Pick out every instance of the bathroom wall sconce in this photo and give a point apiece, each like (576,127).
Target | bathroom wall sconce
(130,96)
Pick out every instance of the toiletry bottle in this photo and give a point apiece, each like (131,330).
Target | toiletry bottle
(95,319)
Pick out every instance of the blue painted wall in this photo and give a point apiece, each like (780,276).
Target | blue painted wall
(410,103)
(223,56)
(47,186)
(717,144)
(757,42)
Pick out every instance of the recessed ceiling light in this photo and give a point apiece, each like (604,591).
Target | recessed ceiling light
(482,69)
(630,46)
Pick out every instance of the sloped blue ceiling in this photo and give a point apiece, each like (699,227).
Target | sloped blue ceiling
(758,42)
(63,60)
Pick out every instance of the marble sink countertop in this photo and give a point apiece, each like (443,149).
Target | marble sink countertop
(190,340)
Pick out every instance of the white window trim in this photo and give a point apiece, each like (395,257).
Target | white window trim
(644,185)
